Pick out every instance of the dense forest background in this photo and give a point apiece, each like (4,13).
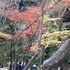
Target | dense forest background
(37,31)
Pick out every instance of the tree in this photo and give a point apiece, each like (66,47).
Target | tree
(54,61)
(34,20)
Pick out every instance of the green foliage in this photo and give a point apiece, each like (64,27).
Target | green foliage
(29,3)
(52,48)
(49,39)
(53,28)
(3,54)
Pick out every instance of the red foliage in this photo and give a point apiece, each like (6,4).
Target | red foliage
(47,5)
(32,49)
(30,16)
(67,2)
(16,15)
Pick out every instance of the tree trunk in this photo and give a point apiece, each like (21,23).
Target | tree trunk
(66,66)
(60,25)
(58,57)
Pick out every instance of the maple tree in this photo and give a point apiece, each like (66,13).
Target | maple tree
(34,29)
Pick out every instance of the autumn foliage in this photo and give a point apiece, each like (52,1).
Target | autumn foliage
(67,2)
(30,16)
